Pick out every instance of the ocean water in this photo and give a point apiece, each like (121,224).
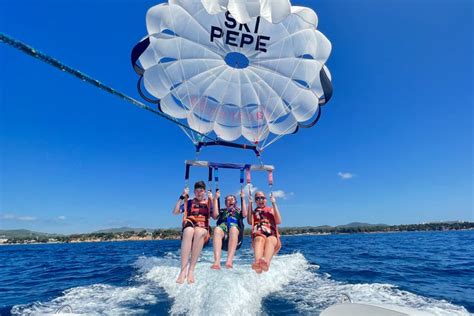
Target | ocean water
(429,271)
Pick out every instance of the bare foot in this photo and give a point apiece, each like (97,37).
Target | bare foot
(256,266)
(181,277)
(229,265)
(264,264)
(190,277)
(216,266)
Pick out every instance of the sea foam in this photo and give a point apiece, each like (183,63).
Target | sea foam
(238,291)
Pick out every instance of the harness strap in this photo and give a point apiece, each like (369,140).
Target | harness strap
(209,178)
(186,174)
(248,177)
(216,180)
(216,177)
(186,185)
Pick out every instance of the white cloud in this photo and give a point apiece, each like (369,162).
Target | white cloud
(280,194)
(13,217)
(346,175)
(8,216)
(25,218)
(61,218)
(253,189)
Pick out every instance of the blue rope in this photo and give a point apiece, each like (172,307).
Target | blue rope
(82,76)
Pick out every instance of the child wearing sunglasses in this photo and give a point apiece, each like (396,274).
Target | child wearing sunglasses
(265,237)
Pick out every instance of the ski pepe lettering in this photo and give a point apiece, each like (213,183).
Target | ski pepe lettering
(240,35)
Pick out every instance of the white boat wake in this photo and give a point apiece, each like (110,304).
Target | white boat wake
(239,291)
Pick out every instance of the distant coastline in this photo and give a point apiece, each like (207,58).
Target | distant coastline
(12,237)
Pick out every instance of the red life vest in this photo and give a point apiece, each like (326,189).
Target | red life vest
(264,222)
(198,213)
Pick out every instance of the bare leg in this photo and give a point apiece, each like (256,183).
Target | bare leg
(217,243)
(198,242)
(270,245)
(258,244)
(233,239)
(186,243)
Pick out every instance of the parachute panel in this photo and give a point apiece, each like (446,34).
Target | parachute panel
(255,80)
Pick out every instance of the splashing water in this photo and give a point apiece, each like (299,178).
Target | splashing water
(229,292)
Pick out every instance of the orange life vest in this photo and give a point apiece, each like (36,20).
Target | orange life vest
(198,213)
(264,222)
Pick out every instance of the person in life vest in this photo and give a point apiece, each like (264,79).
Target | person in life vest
(229,228)
(196,230)
(265,237)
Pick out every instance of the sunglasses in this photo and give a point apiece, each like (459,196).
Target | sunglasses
(260,198)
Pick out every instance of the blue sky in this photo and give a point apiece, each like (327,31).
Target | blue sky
(393,146)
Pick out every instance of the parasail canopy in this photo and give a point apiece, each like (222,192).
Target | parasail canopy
(253,82)
(273,11)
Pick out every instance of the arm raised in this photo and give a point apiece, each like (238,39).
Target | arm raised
(182,198)
(276,211)
(215,209)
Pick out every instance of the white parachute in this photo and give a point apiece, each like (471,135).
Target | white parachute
(240,81)
(274,11)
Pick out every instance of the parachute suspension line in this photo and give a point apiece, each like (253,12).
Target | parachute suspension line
(186,186)
(186,176)
(270,184)
(248,111)
(223,98)
(183,76)
(280,54)
(276,138)
(209,179)
(245,174)
(248,177)
(227,144)
(216,180)
(136,52)
(242,176)
(197,154)
(270,181)
(199,143)
(28,50)
(327,94)
(186,85)
(198,146)
(260,160)
(189,134)
(323,77)
(141,71)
